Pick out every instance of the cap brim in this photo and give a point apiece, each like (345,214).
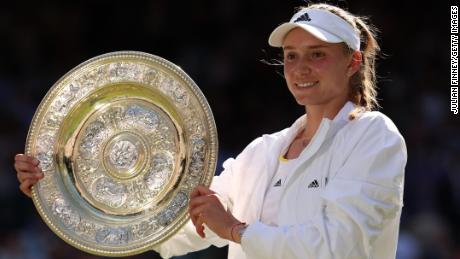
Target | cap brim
(279,33)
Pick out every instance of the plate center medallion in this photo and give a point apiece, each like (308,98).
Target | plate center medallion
(124,155)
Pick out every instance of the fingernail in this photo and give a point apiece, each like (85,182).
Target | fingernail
(36,161)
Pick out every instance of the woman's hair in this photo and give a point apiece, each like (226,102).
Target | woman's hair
(363,88)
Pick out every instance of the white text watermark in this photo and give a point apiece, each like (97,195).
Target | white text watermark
(454,59)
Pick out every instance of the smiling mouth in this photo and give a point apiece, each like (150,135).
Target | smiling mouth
(306,84)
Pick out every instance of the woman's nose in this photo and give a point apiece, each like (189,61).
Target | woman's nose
(303,67)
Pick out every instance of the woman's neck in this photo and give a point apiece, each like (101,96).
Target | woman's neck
(316,113)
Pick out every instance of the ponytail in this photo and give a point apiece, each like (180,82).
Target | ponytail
(363,88)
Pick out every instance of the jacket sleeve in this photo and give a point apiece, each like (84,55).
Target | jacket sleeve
(186,240)
(363,196)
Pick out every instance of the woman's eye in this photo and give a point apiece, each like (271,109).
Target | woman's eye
(317,54)
(290,56)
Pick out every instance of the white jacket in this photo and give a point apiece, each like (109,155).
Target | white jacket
(354,213)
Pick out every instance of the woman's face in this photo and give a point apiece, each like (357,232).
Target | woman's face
(316,72)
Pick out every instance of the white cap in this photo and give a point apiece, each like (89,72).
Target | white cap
(323,24)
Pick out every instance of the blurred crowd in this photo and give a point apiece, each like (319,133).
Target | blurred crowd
(223,46)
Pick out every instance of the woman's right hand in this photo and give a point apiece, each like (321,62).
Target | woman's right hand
(28,172)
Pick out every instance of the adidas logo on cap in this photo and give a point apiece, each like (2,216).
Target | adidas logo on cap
(303,17)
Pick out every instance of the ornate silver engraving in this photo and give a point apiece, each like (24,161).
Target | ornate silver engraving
(112,236)
(122,140)
(123,154)
(109,192)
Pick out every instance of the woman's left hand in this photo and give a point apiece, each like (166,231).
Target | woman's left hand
(205,208)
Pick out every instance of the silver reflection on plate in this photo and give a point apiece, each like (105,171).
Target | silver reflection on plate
(122,140)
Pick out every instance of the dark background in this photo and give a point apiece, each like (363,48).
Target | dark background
(220,44)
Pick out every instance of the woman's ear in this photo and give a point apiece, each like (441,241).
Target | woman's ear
(355,63)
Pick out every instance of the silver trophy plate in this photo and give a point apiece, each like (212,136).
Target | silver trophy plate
(122,140)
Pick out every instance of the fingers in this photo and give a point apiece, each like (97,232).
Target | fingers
(33,177)
(207,209)
(197,201)
(199,226)
(26,158)
(27,171)
(27,181)
(201,207)
(25,187)
(200,190)
(199,196)
(24,163)
(26,167)
(204,203)
(196,213)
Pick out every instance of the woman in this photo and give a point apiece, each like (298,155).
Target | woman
(331,185)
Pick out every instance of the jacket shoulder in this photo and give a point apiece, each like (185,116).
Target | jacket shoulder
(265,140)
(375,121)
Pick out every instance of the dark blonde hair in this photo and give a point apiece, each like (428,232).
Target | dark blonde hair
(363,88)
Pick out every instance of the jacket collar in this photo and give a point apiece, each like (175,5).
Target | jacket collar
(326,132)
(340,119)
(277,143)
(335,124)
(342,115)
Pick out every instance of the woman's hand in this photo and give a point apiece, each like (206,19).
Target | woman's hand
(27,172)
(205,208)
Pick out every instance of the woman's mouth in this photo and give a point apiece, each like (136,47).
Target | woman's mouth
(306,84)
